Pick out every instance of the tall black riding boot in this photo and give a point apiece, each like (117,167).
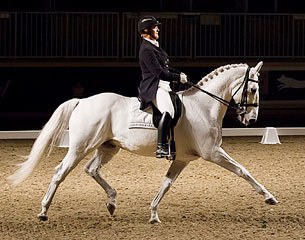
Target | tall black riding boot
(163,131)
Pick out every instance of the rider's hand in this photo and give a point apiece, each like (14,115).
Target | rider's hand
(183,78)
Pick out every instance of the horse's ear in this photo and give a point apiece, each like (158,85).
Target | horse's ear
(258,67)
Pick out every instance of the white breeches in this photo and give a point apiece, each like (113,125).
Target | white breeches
(163,101)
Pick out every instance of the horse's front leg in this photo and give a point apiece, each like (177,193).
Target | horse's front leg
(172,174)
(103,155)
(223,159)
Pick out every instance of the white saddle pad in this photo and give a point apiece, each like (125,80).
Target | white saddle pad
(139,118)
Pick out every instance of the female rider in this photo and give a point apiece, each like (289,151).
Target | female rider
(156,78)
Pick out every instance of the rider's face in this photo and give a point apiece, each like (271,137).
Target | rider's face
(155,32)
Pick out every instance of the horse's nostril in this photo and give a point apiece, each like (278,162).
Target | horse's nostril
(252,120)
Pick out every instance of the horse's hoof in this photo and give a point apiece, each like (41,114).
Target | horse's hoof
(111,207)
(42,217)
(271,201)
(154,220)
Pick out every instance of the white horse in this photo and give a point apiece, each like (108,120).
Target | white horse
(100,123)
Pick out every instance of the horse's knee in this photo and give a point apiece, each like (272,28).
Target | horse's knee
(91,173)
(244,173)
(91,169)
(167,184)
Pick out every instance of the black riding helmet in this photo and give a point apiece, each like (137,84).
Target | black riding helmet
(147,22)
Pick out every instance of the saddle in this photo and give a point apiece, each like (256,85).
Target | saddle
(150,120)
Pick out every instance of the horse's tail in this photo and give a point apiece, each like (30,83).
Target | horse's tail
(48,137)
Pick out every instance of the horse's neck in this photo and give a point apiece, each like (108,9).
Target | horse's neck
(218,83)
(221,81)
(223,77)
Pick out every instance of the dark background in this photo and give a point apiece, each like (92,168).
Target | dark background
(34,92)
(233,6)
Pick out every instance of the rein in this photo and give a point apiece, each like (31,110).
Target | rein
(242,106)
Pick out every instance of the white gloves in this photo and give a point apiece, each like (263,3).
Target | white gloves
(183,78)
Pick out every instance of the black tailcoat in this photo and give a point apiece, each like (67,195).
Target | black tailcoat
(154,66)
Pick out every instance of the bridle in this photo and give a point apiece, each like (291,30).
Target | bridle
(240,107)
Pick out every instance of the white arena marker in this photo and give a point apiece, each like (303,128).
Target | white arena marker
(270,136)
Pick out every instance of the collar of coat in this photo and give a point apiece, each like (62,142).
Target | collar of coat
(154,42)
(159,50)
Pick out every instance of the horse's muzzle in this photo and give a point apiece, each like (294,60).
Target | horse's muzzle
(252,120)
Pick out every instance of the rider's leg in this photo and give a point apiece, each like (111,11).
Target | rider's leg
(165,106)
(163,100)
(163,131)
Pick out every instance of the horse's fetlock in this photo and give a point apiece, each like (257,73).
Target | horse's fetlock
(111,193)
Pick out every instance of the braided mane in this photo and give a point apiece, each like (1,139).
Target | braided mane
(215,73)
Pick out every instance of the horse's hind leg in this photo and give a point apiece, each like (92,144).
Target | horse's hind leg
(103,155)
(172,174)
(224,160)
(61,171)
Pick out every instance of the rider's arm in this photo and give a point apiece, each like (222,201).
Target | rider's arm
(150,60)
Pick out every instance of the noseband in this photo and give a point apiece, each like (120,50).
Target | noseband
(241,107)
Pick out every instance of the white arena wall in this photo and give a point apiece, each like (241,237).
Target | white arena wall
(226,132)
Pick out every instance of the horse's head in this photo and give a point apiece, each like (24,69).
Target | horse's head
(246,95)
